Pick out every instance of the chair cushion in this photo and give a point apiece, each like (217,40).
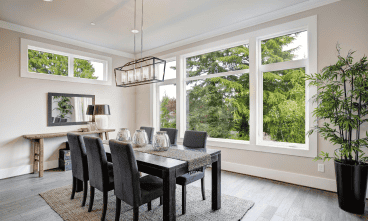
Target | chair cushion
(189,178)
(151,188)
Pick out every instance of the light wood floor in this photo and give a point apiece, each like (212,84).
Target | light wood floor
(275,201)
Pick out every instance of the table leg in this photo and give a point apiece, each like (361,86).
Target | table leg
(35,145)
(101,135)
(41,143)
(107,135)
(216,184)
(169,204)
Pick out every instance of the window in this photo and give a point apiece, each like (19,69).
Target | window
(51,62)
(283,65)
(247,91)
(166,92)
(217,93)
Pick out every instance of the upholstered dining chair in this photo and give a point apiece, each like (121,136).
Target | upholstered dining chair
(79,164)
(172,133)
(101,175)
(192,139)
(150,131)
(129,186)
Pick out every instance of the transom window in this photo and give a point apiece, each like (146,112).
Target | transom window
(51,62)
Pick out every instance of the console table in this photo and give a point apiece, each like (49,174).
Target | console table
(37,141)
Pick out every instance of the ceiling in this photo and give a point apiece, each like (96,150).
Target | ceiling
(165,21)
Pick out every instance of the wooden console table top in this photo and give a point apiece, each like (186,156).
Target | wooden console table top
(63,134)
(37,142)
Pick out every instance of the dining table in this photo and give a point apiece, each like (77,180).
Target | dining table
(169,169)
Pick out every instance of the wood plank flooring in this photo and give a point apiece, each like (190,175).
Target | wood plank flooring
(274,201)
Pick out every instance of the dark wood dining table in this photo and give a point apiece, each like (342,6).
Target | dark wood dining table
(169,169)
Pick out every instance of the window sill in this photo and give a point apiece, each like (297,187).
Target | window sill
(26,74)
(246,145)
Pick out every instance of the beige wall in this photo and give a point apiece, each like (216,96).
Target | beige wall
(24,104)
(345,22)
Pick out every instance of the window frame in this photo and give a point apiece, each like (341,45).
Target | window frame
(256,78)
(71,54)
(279,66)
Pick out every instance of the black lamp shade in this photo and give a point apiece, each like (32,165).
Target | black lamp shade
(102,109)
(90,109)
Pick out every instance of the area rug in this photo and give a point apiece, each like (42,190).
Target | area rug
(232,208)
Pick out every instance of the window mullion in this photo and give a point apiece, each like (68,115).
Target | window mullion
(70,66)
(243,71)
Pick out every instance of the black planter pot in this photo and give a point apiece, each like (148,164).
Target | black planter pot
(351,183)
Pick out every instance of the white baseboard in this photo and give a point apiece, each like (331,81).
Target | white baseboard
(294,178)
(26,169)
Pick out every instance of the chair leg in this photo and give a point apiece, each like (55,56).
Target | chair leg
(161,200)
(149,205)
(184,200)
(118,209)
(85,190)
(74,187)
(91,198)
(104,209)
(136,213)
(203,190)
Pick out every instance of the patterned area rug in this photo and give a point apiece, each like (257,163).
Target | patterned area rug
(232,208)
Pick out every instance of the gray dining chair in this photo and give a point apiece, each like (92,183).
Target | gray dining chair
(172,133)
(129,186)
(100,171)
(192,139)
(150,131)
(79,164)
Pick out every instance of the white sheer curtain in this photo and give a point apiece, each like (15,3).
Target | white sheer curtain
(80,108)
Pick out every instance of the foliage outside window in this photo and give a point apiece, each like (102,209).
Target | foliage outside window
(47,63)
(168,106)
(219,104)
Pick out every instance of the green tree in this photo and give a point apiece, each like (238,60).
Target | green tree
(83,69)
(47,63)
(220,105)
(168,112)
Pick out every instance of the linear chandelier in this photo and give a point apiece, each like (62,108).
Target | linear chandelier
(141,71)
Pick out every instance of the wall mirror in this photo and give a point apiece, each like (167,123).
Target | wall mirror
(68,109)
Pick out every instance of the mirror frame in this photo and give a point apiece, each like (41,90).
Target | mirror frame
(49,109)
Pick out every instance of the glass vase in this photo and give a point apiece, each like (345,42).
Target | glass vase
(124,135)
(140,138)
(161,141)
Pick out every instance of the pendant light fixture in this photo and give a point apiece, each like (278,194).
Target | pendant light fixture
(141,71)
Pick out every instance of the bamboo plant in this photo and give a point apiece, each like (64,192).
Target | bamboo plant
(342,102)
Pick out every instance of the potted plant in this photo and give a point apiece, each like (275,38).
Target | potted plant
(64,108)
(342,104)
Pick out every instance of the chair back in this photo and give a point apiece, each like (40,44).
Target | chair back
(172,133)
(78,156)
(195,139)
(149,131)
(97,163)
(126,174)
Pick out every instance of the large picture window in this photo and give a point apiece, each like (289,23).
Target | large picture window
(247,91)
(44,61)
(217,93)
